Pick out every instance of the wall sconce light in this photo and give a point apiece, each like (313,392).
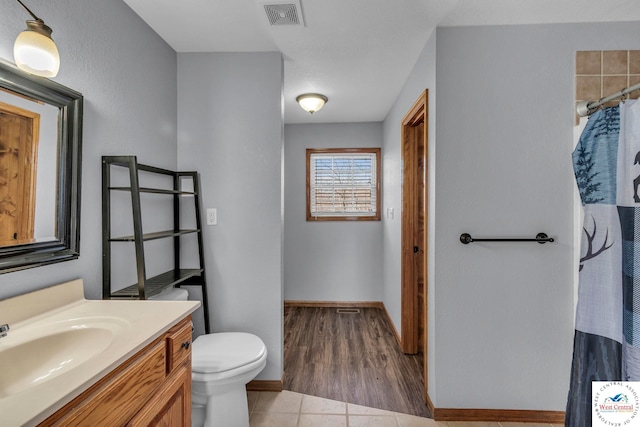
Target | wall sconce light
(34,51)
(311,102)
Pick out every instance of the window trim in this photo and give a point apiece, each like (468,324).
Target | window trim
(338,151)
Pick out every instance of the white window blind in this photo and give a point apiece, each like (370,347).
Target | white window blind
(343,184)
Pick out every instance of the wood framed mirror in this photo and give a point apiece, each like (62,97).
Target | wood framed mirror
(40,164)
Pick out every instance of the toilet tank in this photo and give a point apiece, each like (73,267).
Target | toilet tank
(171,294)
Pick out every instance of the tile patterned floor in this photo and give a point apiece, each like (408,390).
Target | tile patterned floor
(289,409)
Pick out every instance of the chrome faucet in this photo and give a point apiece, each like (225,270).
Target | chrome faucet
(3,330)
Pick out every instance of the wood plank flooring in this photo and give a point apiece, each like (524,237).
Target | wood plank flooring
(353,358)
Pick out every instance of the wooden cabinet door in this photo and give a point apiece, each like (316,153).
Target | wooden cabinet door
(171,406)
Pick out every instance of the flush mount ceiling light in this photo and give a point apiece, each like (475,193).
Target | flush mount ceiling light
(311,102)
(34,51)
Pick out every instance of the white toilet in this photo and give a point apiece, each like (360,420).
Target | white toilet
(222,364)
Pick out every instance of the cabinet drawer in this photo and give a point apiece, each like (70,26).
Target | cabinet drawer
(179,341)
(117,400)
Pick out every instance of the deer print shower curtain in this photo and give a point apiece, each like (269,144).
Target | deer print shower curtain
(606,163)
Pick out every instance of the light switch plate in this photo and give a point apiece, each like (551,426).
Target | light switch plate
(212,216)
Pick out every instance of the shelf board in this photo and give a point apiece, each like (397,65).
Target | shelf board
(155,235)
(155,285)
(155,190)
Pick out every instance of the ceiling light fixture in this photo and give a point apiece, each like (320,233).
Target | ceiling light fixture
(311,102)
(34,51)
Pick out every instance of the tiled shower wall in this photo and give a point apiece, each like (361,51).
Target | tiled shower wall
(601,73)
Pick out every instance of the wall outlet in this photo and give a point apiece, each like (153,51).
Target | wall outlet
(212,216)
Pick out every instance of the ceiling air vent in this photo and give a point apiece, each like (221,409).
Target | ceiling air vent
(283,13)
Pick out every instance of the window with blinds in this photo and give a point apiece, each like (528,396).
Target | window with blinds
(343,184)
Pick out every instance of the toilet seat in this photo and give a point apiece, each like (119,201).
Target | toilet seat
(226,351)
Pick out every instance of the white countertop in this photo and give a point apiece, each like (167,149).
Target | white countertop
(137,324)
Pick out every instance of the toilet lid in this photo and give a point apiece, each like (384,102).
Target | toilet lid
(224,351)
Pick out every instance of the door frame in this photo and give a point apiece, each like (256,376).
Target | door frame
(410,321)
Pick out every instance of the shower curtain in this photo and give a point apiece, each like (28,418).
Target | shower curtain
(606,346)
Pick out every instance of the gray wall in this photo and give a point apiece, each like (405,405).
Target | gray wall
(505,116)
(130,107)
(504,170)
(328,260)
(230,130)
(423,76)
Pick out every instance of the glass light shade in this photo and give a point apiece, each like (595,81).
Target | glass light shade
(311,102)
(36,53)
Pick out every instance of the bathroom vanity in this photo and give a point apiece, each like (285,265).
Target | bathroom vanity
(76,362)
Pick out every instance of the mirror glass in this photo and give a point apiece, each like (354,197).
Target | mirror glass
(40,141)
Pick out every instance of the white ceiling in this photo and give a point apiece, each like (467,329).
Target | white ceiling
(356,52)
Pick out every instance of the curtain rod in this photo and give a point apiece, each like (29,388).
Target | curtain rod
(586,108)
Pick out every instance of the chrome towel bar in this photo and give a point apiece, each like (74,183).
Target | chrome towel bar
(541,238)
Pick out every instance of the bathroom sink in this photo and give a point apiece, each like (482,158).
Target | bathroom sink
(61,344)
(36,353)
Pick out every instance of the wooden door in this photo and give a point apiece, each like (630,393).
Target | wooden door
(414,231)
(19,132)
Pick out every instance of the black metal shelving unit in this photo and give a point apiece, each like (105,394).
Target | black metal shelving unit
(147,287)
